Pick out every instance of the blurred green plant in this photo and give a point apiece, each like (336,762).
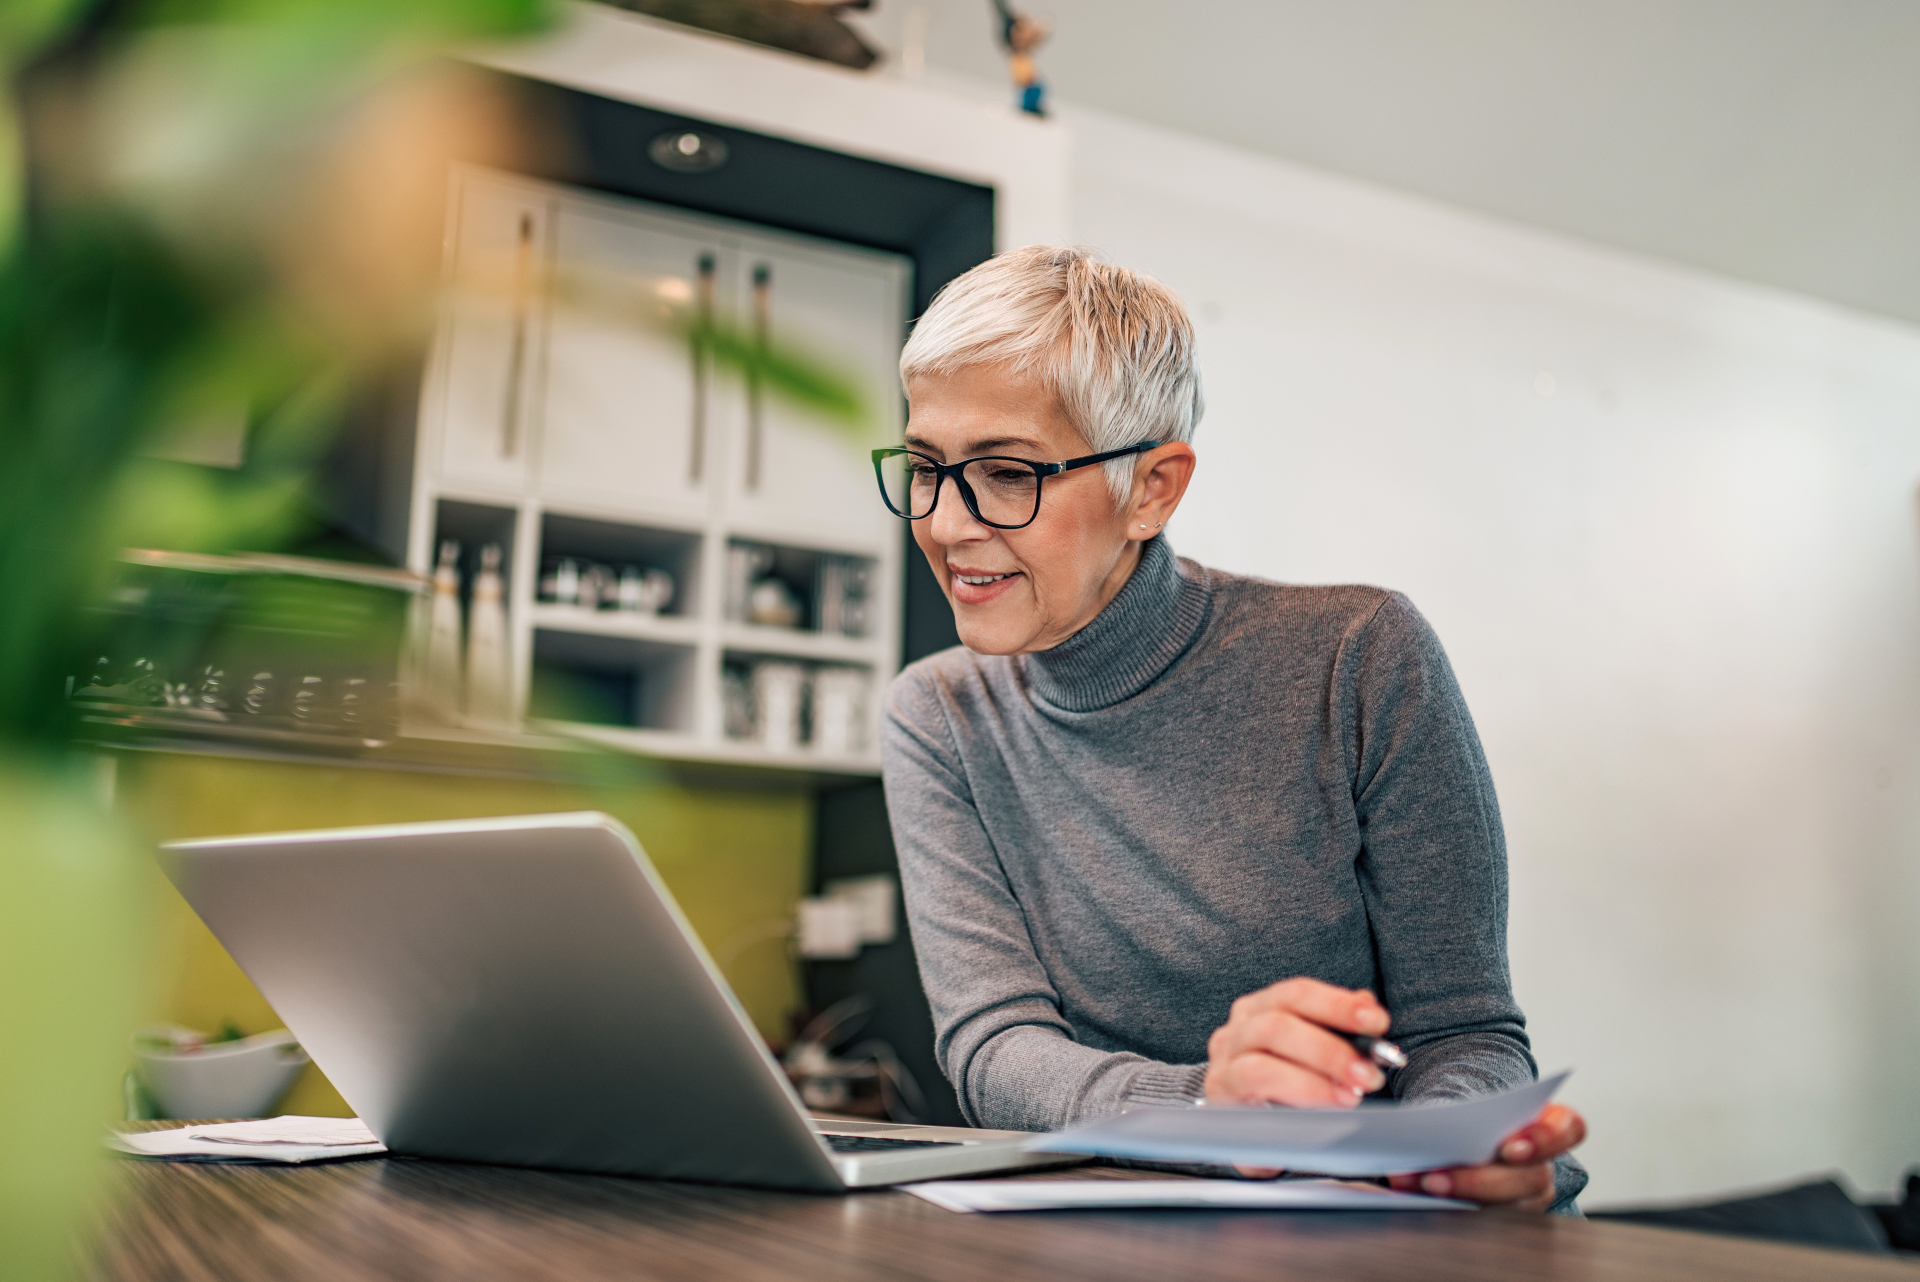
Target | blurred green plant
(203,204)
(799,378)
(99,326)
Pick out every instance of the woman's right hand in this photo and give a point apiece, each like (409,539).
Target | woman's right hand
(1275,1047)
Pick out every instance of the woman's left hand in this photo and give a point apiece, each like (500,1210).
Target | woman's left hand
(1522,1174)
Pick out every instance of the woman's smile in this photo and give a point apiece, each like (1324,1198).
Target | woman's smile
(977,587)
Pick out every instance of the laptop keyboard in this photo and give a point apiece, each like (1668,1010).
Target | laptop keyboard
(880,1143)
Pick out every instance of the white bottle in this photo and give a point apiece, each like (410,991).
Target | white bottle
(443,635)
(488,677)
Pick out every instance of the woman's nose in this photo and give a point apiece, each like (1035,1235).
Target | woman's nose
(951,521)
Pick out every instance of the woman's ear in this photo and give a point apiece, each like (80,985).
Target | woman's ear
(1159,483)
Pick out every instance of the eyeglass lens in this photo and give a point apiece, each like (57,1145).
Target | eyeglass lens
(1006,491)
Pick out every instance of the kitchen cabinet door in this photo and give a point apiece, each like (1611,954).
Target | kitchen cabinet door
(490,332)
(629,410)
(791,473)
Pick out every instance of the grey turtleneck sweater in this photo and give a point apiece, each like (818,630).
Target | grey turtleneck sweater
(1217,784)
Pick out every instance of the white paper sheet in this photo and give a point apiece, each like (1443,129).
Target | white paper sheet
(270,1139)
(1215,1195)
(1372,1139)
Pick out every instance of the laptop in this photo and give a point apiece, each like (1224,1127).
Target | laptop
(526,992)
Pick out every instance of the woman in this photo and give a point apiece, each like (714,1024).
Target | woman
(1165,831)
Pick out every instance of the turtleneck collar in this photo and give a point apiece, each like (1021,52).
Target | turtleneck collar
(1156,615)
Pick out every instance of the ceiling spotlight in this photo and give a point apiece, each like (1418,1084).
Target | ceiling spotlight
(687,152)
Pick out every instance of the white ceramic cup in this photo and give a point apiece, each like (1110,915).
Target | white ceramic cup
(778,689)
(221,1080)
(839,711)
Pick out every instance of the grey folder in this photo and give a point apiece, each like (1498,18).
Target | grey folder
(1372,1139)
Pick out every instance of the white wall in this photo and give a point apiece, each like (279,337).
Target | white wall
(1767,139)
(1682,592)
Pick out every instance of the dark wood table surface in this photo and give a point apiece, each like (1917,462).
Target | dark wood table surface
(393,1218)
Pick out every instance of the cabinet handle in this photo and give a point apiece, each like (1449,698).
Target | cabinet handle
(702,335)
(517,356)
(762,323)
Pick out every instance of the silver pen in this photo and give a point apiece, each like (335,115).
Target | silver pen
(1379,1050)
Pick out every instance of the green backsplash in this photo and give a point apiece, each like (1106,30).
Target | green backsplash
(736,858)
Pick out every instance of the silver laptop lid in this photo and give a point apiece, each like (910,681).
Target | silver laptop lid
(522,991)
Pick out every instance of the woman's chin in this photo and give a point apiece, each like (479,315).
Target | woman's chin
(990,635)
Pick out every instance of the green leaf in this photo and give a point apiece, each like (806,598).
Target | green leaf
(799,378)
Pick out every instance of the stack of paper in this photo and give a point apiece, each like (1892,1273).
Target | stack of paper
(271,1139)
(1372,1139)
(1212,1195)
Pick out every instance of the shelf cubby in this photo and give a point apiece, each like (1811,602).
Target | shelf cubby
(852,686)
(595,679)
(834,592)
(474,525)
(618,544)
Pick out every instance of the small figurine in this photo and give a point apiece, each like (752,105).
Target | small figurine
(1020,36)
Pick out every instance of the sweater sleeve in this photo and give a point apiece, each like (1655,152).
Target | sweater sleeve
(998,1031)
(1433,868)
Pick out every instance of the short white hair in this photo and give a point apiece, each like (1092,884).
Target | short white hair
(1116,347)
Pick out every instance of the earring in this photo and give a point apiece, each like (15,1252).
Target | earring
(1156,525)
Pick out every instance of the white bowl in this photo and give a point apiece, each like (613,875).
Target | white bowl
(226,1079)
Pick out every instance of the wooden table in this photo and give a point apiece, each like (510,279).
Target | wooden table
(420,1221)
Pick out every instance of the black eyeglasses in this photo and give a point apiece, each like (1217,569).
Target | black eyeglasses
(1001,492)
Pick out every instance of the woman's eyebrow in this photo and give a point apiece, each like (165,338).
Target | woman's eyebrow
(987,446)
(1007,442)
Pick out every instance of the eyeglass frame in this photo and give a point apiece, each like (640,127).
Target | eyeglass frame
(1041,471)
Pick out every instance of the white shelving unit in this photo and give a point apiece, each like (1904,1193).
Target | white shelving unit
(565,414)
